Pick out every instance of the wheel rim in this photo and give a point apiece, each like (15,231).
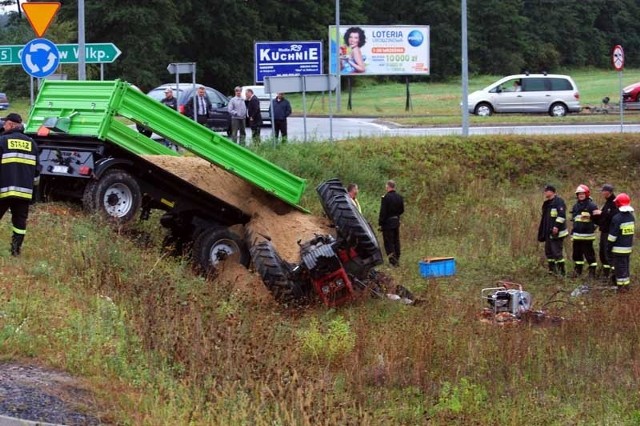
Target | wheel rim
(484,111)
(222,250)
(118,200)
(558,111)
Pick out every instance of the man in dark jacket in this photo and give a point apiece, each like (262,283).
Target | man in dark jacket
(203,106)
(254,117)
(391,208)
(18,174)
(280,110)
(603,218)
(583,232)
(553,229)
(620,241)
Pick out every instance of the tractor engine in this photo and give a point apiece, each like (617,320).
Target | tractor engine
(328,276)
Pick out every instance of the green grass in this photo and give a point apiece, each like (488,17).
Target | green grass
(160,345)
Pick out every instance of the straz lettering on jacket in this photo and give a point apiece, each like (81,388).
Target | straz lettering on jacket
(19,144)
(627,228)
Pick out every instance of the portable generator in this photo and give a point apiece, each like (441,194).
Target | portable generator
(508,298)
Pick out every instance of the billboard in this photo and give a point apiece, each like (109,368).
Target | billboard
(287,58)
(380,50)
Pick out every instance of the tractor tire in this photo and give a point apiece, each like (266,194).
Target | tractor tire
(117,196)
(215,245)
(354,229)
(329,189)
(275,273)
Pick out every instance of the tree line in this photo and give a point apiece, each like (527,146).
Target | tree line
(504,36)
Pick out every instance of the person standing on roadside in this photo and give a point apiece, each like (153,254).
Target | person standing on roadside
(254,116)
(603,218)
(169,100)
(620,241)
(553,229)
(391,208)
(280,110)
(583,231)
(352,190)
(19,174)
(202,108)
(238,112)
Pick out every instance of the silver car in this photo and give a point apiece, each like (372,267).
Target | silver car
(554,94)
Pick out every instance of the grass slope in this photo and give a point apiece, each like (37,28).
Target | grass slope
(162,346)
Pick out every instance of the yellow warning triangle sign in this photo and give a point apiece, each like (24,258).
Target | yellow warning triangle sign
(40,15)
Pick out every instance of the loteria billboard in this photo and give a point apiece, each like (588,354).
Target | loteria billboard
(380,50)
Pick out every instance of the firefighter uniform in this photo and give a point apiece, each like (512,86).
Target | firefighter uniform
(583,234)
(608,211)
(553,216)
(391,207)
(620,241)
(18,172)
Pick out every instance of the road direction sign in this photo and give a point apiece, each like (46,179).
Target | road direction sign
(95,53)
(617,58)
(40,58)
(40,15)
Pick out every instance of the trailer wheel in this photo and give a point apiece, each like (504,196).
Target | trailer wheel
(275,273)
(117,196)
(354,229)
(213,246)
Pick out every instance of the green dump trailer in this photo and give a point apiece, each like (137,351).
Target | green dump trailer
(90,150)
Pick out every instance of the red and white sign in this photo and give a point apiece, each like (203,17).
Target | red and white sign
(617,58)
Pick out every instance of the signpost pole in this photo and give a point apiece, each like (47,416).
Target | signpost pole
(304,105)
(330,109)
(336,54)
(82,69)
(465,71)
(621,104)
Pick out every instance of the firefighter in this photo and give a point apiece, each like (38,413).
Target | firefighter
(583,232)
(18,176)
(553,229)
(621,241)
(603,218)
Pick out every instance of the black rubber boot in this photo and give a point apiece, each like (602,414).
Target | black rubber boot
(561,270)
(592,272)
(552,267)
(16,244)
(577,270)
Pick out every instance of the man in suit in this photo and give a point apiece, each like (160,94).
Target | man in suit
(254,116)
(202,107)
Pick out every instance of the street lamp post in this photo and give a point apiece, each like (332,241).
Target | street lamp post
(82,69)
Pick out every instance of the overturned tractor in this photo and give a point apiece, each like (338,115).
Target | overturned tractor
(330,267)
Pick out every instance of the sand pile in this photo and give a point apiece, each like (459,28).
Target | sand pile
(270,217)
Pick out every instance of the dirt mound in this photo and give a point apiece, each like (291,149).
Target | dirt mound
(271,218)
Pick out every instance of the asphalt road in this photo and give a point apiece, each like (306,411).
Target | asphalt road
(321,129)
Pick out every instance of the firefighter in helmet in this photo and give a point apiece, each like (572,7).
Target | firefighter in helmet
(603,218)
(553,229)
(621,241)
(583,232)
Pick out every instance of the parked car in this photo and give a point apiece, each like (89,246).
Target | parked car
(554,94)
(264,100)
(219,118)
(631,93)
(4,101)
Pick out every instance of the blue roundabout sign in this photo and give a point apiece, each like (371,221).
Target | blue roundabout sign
(40,58)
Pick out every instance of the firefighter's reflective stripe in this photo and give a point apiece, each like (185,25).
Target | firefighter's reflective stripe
(621,250)
(627,228)
(560,220)
(563,233)
(554,212)
(17,157)
(583,237)
(19,231)
(623,281)
(16,191)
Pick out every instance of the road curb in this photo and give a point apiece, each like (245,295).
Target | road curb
(12,421)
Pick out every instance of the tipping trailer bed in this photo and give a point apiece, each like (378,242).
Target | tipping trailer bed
(92,109)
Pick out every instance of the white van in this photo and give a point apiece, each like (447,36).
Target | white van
(554,94)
